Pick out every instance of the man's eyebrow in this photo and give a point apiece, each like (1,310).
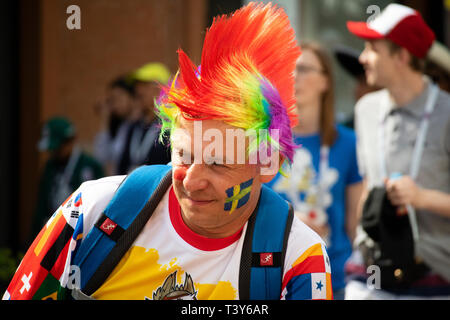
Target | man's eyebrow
(181,152)
(217,159)
(184,152)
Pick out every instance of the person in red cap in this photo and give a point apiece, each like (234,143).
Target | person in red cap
(403,134)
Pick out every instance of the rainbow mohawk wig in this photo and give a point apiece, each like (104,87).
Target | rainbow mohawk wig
(245,79)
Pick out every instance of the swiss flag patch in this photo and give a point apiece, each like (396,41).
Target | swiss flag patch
(266,259)
(108,226)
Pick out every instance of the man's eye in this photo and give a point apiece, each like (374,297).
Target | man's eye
(179,158)
(217,164)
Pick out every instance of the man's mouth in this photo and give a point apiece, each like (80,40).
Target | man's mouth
(198,201)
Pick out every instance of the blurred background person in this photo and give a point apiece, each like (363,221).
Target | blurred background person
(323,185)
(143,146)
(404,155)
(348,59)
(437,67)
(114,110)
(67,167)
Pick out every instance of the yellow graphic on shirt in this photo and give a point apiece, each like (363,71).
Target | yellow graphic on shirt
(139,276)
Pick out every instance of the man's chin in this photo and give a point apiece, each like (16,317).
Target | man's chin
(202,217)
(195,208)
(372,80)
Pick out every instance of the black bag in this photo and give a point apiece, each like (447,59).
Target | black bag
(393,249)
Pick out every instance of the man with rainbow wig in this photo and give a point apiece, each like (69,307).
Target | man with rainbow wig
(206,226)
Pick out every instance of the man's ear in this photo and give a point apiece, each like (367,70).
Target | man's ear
(269,171)
(403,56)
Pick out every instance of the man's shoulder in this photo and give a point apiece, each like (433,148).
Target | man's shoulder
(307,265)
(445,95)
(103,184)
(443,102)
(91,198)
(100,191)
(302,239)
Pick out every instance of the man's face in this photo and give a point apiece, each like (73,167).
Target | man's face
(216,191)
(119,101)
(310,81)
(146,92)
(379,63)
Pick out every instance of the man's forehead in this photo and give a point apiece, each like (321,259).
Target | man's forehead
(377,43)
(210,141)
(204,132)
(189,124)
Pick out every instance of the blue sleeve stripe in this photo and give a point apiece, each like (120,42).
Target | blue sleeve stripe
(299,288)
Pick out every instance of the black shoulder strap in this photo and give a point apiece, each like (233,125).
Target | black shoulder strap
(246,258)
(286,235)
(127,237)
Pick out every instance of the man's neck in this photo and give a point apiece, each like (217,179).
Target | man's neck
(308,120)
(407,89)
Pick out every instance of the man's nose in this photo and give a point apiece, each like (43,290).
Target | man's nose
(362,57)
(196,178)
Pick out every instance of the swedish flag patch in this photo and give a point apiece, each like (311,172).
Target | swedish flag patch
(238,195)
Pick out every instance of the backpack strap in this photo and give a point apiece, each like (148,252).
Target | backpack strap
(120,224)
(264,248)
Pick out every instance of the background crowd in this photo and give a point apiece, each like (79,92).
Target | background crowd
(333,174)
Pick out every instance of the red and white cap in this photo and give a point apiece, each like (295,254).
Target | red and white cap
(400,24)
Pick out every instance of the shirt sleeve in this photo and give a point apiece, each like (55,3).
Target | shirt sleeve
(45,269)
(309,277)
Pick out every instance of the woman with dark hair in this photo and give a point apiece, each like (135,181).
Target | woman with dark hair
(110,143)
(324,184)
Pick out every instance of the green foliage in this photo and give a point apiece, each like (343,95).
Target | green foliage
(8,264)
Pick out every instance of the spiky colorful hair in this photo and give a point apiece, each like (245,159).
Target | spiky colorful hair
(245,79)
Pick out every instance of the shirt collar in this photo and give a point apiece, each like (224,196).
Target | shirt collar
(416,107)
